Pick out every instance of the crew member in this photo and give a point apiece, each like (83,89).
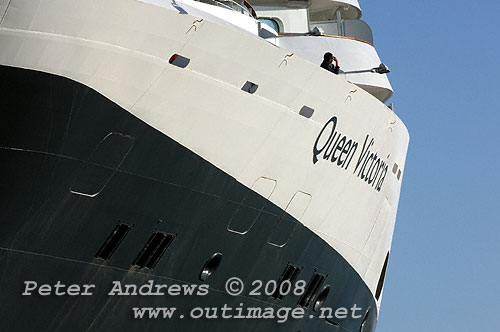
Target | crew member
(327,63)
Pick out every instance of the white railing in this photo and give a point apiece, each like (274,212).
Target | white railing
(356,29)
(241,6)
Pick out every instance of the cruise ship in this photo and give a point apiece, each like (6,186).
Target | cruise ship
(182,144)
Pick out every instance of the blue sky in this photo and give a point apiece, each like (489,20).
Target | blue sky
(444,270)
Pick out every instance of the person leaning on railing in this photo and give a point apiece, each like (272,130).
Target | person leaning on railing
(327,63)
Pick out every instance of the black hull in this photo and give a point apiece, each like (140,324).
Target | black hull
(65,184)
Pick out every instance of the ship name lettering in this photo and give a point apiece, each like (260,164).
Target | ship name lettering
(339,149)
(375,174)
(336,146)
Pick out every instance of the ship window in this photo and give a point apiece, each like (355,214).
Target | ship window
(311,289)
(113,241)
(395,168)
(271,22)
(380,284)
(179,61)
(153,250)
(249,87)
(321,299)
(210,266)
(306,111)
(399,174)
(285,281)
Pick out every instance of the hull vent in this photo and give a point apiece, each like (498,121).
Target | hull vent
(113,241)
(286,281)
(153,250)
(311,290)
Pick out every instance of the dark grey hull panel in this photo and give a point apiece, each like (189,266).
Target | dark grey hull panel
(74,165)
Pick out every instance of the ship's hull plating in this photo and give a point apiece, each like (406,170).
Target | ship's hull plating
(74,164)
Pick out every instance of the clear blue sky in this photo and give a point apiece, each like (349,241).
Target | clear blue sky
(444,268)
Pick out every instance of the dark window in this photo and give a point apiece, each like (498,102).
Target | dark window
(285,281)
(311,289)
(153,250)
(380,284)
(394,168)
(113,241)
(179,61)
(271,23)
(249,87)
(306,111)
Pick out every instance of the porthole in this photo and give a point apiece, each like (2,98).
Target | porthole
(321,299)
(210,266)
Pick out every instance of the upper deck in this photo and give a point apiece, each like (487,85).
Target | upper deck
(311,28)
(318,9)
(308,29)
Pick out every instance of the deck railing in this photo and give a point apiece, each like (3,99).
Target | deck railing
(241,6)
(356,29)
